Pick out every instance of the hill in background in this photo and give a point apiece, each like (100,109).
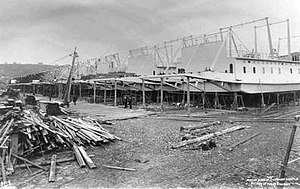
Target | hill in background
(19,70)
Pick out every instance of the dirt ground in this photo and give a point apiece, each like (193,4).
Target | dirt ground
(147,147)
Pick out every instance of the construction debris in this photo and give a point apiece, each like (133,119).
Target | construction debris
(29,132)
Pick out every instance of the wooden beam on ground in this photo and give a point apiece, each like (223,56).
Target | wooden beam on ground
(49,162)
(52,169)
(78,156)
(268,108)
(27,161)
(198,126)
(87,158)
(119,168)
(209,136)
(243,141)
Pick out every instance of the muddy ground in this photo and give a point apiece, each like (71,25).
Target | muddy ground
(146,147)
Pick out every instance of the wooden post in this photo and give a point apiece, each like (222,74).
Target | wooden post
(188,96)
(104,96)
(144,95)
(289,147)
(52,169)
(115,98)
(95,90)
(161,94)
(278,99)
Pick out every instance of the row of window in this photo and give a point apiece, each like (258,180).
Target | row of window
(275,63)
(271,70)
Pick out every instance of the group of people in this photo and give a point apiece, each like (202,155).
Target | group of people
(127,101)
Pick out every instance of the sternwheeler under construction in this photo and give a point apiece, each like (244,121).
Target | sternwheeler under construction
(203,68)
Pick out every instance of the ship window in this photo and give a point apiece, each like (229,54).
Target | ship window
(249,61)
(153,72)
(225,71)
(254,70)
(271,70)
(263,70)
(244,69)
(291,70)
(279,70)
(281,63)
(231,68)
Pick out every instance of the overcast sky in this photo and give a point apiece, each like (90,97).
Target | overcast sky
(45,30)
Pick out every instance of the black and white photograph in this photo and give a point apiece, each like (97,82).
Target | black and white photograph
(149,94)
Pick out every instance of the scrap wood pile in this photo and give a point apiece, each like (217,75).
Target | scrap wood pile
(28,133)
(203,137)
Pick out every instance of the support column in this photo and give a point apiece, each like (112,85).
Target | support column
(33,88)
(204,96)
(161,94)
(80,92)
(217,102)
(115,103)
(95,90)
(104,95)
(278,99)
(235,103)
(188,96)
(144,95)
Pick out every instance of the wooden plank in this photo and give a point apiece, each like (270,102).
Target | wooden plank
(268,108)
(206,137)
(243,141)
(52,169)
(2,165)
(87,158)
(119,168)
(78,156)
(49,162)
(27,161)
(14,147)
(198,126)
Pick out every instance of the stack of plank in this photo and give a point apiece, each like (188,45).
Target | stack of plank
(24,133)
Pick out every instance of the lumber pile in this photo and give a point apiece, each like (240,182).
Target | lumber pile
(204,136)
(27,133)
